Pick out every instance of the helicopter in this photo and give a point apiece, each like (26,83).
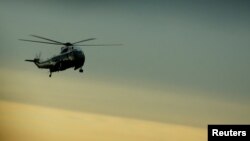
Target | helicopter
(70,55)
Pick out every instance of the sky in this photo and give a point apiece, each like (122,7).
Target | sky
(182,62)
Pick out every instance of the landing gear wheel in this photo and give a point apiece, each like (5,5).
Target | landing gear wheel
(81,70)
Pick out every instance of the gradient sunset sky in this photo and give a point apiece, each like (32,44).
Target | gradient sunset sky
(182,62)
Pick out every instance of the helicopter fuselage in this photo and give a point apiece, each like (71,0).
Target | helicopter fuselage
(69,57)
(72,58)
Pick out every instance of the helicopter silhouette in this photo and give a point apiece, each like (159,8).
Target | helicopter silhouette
(69,57)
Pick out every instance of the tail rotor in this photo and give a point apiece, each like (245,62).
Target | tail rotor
(36,59)
(38,56)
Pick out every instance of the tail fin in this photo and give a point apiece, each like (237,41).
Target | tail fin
(30,60)
(36,61)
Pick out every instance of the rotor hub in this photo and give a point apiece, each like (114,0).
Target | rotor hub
(68,44)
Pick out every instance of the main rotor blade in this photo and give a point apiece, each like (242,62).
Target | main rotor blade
(102,45)
(39,42)
(47,39)
(84,40)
